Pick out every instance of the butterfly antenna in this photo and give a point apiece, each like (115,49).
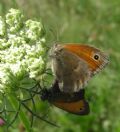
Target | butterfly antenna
(55,34)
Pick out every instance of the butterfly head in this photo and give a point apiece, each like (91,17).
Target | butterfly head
(56,51)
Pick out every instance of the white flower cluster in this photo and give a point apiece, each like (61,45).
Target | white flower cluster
(22,50)
(2,27)
(14,20)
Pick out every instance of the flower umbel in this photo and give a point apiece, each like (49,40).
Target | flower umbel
(22,50)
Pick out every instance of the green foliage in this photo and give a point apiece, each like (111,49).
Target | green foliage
(81,21)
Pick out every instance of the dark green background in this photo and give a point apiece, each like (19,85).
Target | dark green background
(94,22)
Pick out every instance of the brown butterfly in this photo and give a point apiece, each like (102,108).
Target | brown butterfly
(74,103)
(73,65)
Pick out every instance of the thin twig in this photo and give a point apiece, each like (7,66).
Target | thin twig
(16,115)
(34,107)
(39,116)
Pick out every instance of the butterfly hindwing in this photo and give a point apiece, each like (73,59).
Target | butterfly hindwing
(74,103)
(80,107)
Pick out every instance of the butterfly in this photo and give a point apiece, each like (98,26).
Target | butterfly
(75,103)
(74,65)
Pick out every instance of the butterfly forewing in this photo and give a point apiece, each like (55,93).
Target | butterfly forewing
(88,53)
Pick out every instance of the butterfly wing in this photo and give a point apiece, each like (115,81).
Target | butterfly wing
(95,59)
(80,107)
